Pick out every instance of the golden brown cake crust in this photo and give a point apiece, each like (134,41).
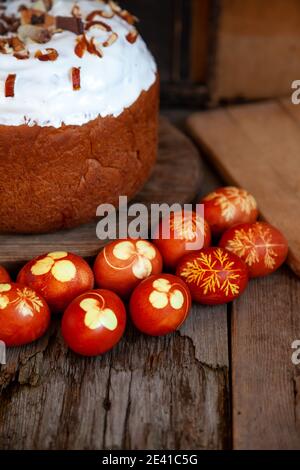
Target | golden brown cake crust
(55,178)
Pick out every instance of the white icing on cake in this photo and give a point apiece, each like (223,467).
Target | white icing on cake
(44,93)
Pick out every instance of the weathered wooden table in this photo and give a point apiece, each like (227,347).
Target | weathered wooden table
(226,380)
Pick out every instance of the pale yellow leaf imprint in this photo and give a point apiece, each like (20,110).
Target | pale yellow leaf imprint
(28,299)
(161,296)
(246,245)
(186,227)
(5,287)
(97,316)
(139,256)
(4,301)
(58,255)
(208,274)
(25,301)
(231,199)
(62,270)
(177,300)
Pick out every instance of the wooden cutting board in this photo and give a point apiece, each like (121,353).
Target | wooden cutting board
(257,147)
(176,179)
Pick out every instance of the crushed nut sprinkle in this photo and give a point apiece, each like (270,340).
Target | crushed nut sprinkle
(111,40)
(124,14)
(37,18)
(131,19)
(93,49)
(76,78)
(35,33)
(114,6)
(98,24)
(50,55)
(16,44)
(39,26)
(76,11)
(132,36)
(22,55)
(101,13)
(83,45)
(10,85)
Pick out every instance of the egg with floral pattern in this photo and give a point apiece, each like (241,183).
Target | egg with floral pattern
(160,305)
(227,207)
(24,314)
(94,322)
(180,233)
(59,277)
(123,264)
(213,275)
(262,246)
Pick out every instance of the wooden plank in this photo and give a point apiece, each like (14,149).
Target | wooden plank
(258,147)
(245,65)
(175,179)
(266,384)
(200,12)
(148,393)
(169,393)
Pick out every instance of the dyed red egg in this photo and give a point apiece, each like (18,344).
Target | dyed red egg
(227,207)
(181,233)
(263,248)
(59,277)
(123,264)
(94,322)
(25,316)
(213,275)
(160,305)
(4,276)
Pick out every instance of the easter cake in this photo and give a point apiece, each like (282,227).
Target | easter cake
(78,111)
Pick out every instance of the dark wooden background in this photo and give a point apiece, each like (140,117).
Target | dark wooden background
(226,380)
(177,33)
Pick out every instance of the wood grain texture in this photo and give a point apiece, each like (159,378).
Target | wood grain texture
(176,179)
(257,147)
(150,393)
(169,393)
(265,383)
(244,65)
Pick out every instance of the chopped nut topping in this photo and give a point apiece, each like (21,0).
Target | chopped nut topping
(16,44)
(35,33)
(83,45)
(114,6)
(3,45)
(93,49)
(76,11)
(37,18)
(102,13)
(22,55)
(131,19)
(98,24)
(10,86)
(112,38)
(76,78)
(9,24)
(124,14)
(132,36)
(50,55)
